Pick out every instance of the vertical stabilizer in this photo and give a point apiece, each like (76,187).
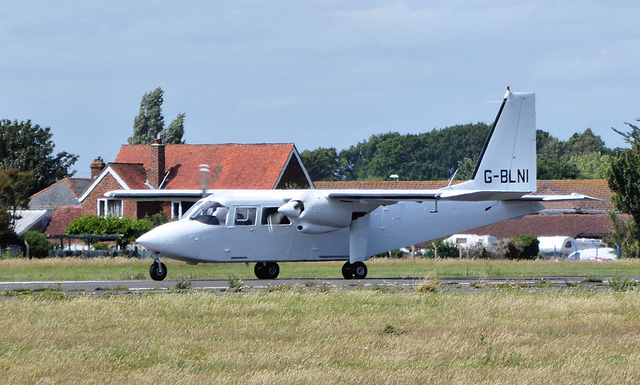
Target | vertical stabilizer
(508,159)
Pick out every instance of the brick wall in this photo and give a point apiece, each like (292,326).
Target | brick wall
(108,183)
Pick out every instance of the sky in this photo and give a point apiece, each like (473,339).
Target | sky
(314,73)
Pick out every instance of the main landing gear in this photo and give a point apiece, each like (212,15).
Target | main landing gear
(157,271)
(357,270)
(266,270)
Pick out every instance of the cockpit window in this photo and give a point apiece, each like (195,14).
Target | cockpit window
(193,209)
(245,216)
(210,213)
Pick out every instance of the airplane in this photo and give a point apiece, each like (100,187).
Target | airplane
(270,226)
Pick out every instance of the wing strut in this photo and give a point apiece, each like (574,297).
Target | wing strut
(358,239)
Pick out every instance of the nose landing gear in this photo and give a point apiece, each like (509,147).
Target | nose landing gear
(157,271)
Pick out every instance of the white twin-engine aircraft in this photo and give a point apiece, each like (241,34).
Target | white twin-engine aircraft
(271,226)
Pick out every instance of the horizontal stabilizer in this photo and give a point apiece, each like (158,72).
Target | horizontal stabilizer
(557,198)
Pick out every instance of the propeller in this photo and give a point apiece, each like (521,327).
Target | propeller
(204,178)
(292,209)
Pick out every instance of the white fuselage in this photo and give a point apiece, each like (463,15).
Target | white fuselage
(259,239)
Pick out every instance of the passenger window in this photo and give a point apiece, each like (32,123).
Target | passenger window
(245,216)
(271,216)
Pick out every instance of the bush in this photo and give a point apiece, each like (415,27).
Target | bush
(523,247)
(396,254)
(91,224)
(439,249)
(39,245)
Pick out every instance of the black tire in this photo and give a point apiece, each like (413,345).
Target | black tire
(266,270)
(260,269)
(359,270)
(158,271)
(347,270)
(271,270)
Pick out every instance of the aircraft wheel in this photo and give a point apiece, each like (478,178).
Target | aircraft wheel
(359,270)
(259,270)
(272,270)
(158,271)
(347,270)
(266,270)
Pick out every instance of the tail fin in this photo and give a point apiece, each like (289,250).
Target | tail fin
(508,159)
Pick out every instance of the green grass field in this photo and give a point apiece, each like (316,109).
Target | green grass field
(127,269)
(311,336)
(317,335)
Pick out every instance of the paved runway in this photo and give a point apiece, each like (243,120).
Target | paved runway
(442,284)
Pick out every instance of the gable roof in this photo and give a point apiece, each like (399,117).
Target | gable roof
(130,176)
(233,166)
(65,192)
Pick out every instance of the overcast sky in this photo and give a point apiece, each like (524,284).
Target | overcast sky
(315,73)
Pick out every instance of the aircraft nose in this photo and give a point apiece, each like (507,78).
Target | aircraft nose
(160,238)
(150,240)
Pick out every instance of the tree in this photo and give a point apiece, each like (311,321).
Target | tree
(587,142)
(592,165)
(624,181)
(14,189)
(624,235)
(549,169)
(465,169)
(321,163)
(14,194)
(150,122)
(174,133)
(29,148)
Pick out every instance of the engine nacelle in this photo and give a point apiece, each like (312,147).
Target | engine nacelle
(315,214)
(309,228)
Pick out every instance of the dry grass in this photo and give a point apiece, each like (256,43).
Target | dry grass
(313,337)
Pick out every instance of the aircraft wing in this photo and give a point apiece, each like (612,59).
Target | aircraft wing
(155,195)
(394,196)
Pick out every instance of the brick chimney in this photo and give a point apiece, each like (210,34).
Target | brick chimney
(96,167)
(155,175)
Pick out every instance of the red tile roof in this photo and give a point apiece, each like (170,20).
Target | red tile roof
(62,218)
(133,174)
(382,185)
(596,188)
(570,225)
(233,166)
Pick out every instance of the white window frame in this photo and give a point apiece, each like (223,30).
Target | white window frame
(175,204)
(105,206)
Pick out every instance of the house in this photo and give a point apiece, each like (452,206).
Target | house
(177,166)
(46,205)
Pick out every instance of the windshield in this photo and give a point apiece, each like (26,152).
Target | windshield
(210,213)
(193,209)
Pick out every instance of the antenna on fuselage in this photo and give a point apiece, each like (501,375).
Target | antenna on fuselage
(204,178)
